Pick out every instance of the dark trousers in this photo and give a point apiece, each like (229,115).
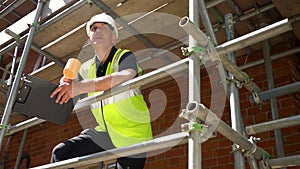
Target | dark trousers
(91,141)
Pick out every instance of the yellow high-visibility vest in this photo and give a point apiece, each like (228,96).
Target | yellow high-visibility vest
(125,116)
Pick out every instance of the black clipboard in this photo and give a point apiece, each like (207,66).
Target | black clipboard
(33,100)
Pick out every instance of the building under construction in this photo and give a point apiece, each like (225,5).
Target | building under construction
(221,80)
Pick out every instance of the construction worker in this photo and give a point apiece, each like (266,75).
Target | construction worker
(122,119)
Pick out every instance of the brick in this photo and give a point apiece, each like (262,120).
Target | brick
(259,118)
(207,155)
(267,143)
(253,111)
(281,80)
(175,152)
(281,71)
(224,143)
(290,130)
(209,145)
(292,139)
(286,102)
(265,135)
(245,104)
(223,160)
(174,161)
(228,166)
(258,70)
(209,162)
(291,110)
(292,149)
(159,163)
(222,151)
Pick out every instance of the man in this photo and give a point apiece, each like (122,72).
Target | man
(122,119)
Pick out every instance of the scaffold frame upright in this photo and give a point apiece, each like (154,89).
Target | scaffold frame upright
(256,155)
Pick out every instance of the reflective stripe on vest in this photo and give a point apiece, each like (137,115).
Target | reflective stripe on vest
(117,98)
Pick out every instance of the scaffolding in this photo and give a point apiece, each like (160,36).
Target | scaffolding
(195,112)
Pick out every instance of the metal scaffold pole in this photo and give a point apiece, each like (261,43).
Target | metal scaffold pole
(274,124)
(234,98)
(279,91)
(273,57)
(147,146)
(206,22)
(200,37)
(194,144)
(273,101)
(258,35)
(13,92)
(20,153)
(199,110)
(290,161)
(249,147)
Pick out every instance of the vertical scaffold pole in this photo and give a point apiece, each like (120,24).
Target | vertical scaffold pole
(273,101)
(234,98)
(194,145)
(206,22)
(12,94)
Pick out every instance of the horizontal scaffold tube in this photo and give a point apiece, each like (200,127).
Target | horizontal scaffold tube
(289,161)
(279,91)
(239,43)
(24,125)
(203,41)
(257,36)
(194,31)
(203,113)
(271,125)
(147,146)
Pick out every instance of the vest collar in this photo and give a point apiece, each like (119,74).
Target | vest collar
(109,58)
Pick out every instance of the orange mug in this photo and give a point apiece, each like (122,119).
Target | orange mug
(72,68)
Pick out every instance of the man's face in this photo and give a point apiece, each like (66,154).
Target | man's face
(101,34)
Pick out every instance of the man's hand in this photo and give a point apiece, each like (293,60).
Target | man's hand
(63,92)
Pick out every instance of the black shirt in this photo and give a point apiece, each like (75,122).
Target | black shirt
(127,61)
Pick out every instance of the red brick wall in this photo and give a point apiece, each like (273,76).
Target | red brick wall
(216,152)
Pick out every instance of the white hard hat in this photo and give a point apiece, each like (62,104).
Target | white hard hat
(103,17)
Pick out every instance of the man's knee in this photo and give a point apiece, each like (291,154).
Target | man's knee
(59,153)
(132,162)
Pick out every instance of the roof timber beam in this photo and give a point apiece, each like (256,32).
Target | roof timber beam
(11,8)
(22,25)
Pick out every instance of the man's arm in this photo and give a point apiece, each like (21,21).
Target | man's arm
(68,90)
